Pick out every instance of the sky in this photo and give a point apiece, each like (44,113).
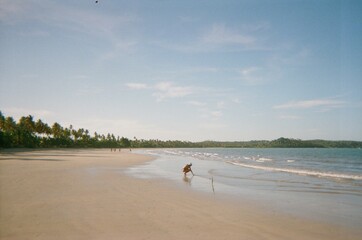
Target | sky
(225,70)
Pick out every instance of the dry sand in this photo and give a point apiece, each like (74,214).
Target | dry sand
(83,194)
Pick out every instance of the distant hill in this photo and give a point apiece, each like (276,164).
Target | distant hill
(283,143)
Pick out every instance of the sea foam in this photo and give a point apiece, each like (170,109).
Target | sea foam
(300,171)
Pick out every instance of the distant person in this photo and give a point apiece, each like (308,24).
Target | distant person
(187,168)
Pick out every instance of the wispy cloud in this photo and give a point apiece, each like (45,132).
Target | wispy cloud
(216,114)
(235,100)
(197,103)
(210,114)
(163,90)
(220,104)
(314,103)
(187,19)
(11,10)
(120,47)
(290,56)
(61,16)
(219,37)
(136,86)
(169,90)
(252,75)
(220,34)
(289,117)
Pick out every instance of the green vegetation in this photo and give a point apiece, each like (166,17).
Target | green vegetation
(284,143)
(33,134)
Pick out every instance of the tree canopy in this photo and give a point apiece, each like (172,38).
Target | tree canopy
(30,133)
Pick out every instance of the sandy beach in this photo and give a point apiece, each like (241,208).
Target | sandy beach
(84,194)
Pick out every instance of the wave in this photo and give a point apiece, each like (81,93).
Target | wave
(300,171)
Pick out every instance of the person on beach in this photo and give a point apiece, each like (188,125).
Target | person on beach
(187,168)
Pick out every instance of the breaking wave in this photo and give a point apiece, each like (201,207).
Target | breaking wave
(300,171)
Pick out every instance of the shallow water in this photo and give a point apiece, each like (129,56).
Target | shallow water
(320,184)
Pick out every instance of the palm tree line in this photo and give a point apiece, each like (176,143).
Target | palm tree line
(27,132)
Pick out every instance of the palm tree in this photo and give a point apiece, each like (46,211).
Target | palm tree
(10,124)
(8,131)
(66,133)
(86,135)
(47,129)
(27,124)
(57,130)
(40,127)
(2,121)
(75,134)
(26,132)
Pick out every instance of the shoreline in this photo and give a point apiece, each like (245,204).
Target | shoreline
(85,194)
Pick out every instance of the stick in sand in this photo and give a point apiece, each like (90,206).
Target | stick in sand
(212,184)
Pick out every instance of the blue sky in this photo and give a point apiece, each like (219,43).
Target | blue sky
(187,70)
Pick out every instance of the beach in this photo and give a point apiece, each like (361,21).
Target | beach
(86,194)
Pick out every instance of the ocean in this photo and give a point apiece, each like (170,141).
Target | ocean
(318,184)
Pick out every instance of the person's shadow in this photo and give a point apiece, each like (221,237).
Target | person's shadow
(187,180)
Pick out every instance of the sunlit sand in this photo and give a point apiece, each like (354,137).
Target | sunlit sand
(85,194)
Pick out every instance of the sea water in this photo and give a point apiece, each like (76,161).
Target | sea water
(320,184)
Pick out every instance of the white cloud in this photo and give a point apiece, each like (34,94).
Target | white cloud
(289,117)
(211,114)
(252,75)
(120,47)
(293,56)
(220,105)
(219,37)
(68,18)
(187,19)
(219,34)
(216,114)
(197,103)
(136,86)
(169,90)
(164,90)
(10,10)
(248,71)
(236,100)
(323,103)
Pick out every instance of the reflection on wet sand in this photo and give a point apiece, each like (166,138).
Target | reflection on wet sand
(187,180)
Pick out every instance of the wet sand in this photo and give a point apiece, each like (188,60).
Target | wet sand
(84,194)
